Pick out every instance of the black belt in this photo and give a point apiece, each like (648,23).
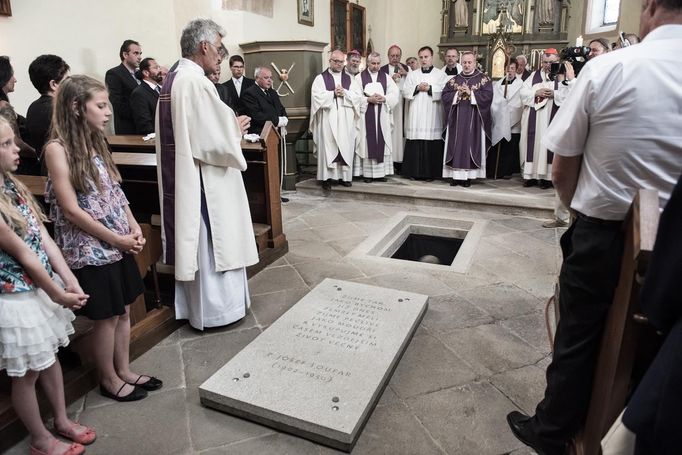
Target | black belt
(593,220)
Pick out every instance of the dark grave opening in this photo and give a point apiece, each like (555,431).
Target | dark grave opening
(429,248)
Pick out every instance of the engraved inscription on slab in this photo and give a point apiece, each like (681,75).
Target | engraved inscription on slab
(319,370)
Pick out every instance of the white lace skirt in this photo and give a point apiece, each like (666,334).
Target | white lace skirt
(32,328)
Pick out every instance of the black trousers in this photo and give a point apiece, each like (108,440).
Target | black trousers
(592,251)
(503,158)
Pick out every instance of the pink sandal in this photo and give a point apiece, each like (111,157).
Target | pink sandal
(74,449)
(85,437)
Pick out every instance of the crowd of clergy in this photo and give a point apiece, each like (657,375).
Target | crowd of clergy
(427,123)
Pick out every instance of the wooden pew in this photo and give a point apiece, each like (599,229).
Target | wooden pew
(622,333)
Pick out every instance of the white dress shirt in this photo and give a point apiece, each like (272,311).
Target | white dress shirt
(623,117)
(238,85)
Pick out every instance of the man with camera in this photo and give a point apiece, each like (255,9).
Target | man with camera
(610,140)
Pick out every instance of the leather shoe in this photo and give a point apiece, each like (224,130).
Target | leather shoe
(530,182)
(346,184)
(519,424)
(284,199)
(466,183)
(138,393)
(150,385)
(544,184)
(327,185)
(454,182)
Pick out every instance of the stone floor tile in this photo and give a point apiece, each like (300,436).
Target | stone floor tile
(363,214)
(388,397)
(301,233)
(338,231)
(275,279)
(154,425)
(279,262)
(204,356)
(521,271)
(461,281)
(322,217)
(520,223)
(548,235)
(451,311)
(345,246)
(524,386)
(394,429)
(280,444)
(421,283)
(502,301)
(426,366)
(494,228)
(531,328)
(469,419)
(163,362)
(490,348)
(210,428)
(314,272)
(267,308)
(306,250)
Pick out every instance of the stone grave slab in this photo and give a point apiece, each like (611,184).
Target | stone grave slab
(320,369)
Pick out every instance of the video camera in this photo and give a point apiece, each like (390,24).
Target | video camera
(576,56)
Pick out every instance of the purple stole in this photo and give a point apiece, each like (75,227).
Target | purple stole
(375,145)
(329,85)
(329,80)
(167,162)
(530,150)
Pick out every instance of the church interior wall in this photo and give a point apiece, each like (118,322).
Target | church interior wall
(90,42)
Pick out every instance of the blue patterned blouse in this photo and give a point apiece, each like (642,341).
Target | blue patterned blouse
(13,277)
(108,207)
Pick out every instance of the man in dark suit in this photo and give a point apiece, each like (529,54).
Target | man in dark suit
(121,81)
(261,103)
(144,97)
(237,83)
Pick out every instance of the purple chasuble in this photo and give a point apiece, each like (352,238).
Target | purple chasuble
(530,148)
(464,120)
(375,143)
(329,85)
(167,161)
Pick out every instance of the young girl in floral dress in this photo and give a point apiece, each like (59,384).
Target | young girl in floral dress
(34,316)
(96,230)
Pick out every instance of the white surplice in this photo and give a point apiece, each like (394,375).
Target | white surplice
(333,123)
(208,165)
(506,109)
(539,168)
(397,132)
(367,167)
(424,118)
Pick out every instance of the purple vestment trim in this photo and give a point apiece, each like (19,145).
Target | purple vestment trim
(530,148)
(329,80)
(167,159)
(375,145)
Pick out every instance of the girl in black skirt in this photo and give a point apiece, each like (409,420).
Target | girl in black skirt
(95,229)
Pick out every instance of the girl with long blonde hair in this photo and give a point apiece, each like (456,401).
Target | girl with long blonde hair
(35,315)
(95,229)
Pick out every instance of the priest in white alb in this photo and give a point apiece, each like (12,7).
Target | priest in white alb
(398,72)
(537,96)
(336,99)
(206,224)
(503,156)
(379,97)
(423,157)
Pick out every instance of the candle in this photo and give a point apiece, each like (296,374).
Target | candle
(579,41)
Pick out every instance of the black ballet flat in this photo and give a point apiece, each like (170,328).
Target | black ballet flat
(138,393)
(151,385)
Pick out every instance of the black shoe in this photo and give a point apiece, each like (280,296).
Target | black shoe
(284,199)
(428,180)
(346,184)
(369,180)
(466,183)
(382,179)
(506,177)
(530,182)
(519,424)
(544,184)
(151,384)
(454,182)
(138,393)
(327,185)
